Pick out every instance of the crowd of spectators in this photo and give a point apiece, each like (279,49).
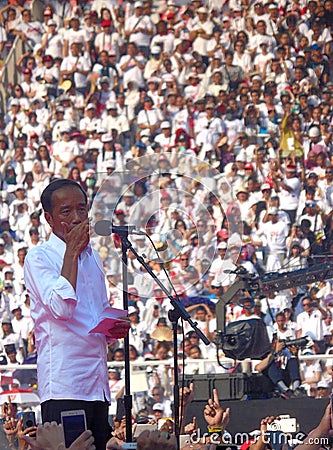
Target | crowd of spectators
(209,125)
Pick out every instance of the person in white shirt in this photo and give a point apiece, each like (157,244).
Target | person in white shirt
(276,233)
(29,30)
(311,320)
(66,283)
(289,191)
(201,31)
(77,67)
(52,41)
(280,326)
(75,34)
(132,65)
(65,151)
(260,37)
(139,28)
(21,325)
(107,40)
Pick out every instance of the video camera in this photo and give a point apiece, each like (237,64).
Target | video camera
(298,342)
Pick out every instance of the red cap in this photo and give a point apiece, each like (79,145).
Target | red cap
(291,168)
(118,212)
(165,195)
(106,23)
(170,15)
(223,233)
(27,72)
(47,12)
(133,290)
(248,166)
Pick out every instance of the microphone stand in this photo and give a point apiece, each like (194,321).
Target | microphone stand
(174,315)
(125,245)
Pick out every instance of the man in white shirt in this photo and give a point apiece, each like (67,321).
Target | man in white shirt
(76,67)
(139,28)
(21,325)
(29,30)
(311,321)
(275,232)
(66,283)
(289,191)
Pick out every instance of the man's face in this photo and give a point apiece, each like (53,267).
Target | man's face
(322,392)
(17,313)
(247,305)
(75,49)
(273,218)
(280,321)
(201,315)
(12,357)
(118,356)
(69,207)
(26,16)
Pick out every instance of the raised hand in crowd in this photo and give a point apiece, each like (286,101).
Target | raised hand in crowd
(316,438)
(156,439)
(215,416)
(261,441)
(50,436)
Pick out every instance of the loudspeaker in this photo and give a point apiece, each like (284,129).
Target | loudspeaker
(246,416)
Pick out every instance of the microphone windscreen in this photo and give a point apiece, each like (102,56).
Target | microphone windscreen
(103,227)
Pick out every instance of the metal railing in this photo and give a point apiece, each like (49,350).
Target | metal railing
(169,362)
(9,73)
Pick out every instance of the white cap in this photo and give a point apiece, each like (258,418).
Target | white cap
(145,132)
(132,310)
(138,4)
(158,407)
(106,138)
(241,158)
(266,187)
(90,106)
(273,210)
(51,22)
(202,10)
(165,124)
(15,102)
(314,132)
(222,246)
(13,304)
(156,49)
(111,105)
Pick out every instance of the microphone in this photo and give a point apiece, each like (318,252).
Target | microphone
(106,227)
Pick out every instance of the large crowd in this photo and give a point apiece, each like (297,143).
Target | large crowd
(209,125)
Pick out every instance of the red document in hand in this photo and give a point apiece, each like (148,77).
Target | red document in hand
(108,320)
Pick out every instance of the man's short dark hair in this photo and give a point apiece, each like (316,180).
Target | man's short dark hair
(279,314)
(46,197)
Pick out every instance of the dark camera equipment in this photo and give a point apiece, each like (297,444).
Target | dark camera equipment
(246,339)
(29,419)
(298,342)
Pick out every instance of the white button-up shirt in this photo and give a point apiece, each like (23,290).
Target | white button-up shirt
(72,363)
